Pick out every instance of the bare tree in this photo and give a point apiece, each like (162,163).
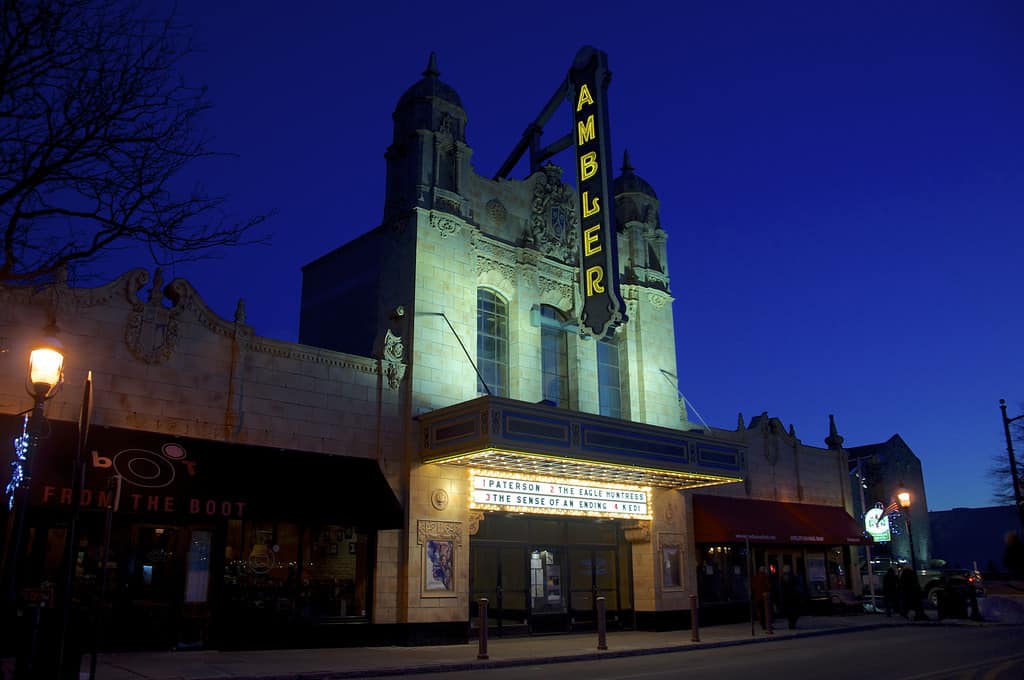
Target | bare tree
(96,126)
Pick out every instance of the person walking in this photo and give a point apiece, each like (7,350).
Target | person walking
(890,591)
(792,595)
(761,590)
(911,595)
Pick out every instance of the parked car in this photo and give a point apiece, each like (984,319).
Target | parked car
(957,585)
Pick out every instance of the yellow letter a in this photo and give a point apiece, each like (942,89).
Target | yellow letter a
(584,98)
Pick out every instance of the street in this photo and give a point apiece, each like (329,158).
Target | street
(903,653)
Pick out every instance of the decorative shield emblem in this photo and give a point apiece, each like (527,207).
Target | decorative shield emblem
(152,330)
(559,221)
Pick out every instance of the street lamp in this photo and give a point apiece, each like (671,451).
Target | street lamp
(45,376)
(904,499)
(1013,462)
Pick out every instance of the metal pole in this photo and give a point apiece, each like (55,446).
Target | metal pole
(910,537)
(25,652)
(694,622)
(71,542)
(602,631)
(750,584)
(34,431)
(867,548)
(114,483)
(482,650)
(1013,463)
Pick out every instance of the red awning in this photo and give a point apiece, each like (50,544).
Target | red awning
(720,519)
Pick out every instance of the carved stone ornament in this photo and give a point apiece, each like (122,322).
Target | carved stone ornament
(657,300)
(427,529)
(497,212)
(486,264)
(151,333)
(553,218)
(439,499)
(392,359)
(394,350)
(394,372)
(641,533)
(446,226)
(475,517)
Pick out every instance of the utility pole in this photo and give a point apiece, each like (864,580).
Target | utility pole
(1013,463)
(867,548)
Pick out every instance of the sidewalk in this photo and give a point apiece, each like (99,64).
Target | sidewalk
(322,664)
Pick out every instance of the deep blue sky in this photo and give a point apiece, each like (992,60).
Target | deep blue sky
(841,183)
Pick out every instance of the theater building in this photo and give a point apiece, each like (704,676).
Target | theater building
(443,432)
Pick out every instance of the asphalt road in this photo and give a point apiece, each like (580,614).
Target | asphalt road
(904,653)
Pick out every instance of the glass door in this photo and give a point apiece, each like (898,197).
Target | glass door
(155,583)
(499,574)
(594,575)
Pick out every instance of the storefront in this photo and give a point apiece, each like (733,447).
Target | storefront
(736,536)
(209,543)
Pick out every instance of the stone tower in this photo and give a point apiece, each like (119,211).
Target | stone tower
(428,156)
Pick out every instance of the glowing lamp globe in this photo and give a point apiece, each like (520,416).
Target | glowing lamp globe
(46,368)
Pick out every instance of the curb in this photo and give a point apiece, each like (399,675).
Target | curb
(448,667)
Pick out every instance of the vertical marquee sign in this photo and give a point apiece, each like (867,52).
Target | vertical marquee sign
(599,257)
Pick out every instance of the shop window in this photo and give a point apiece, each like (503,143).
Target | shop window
(492,343)
(672,566)
(334,572)
(837,570)
(817,574)
(722,574)
(554,357)
(261,568)
(608,378)
(329,580)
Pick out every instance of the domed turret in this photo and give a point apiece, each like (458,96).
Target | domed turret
(642,244)
(635,200)
(430,87)
(631,183)
(428,155)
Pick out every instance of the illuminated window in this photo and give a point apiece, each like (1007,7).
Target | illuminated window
(554,357)
(492,343)
(609,386)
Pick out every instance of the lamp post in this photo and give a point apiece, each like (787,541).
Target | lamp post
(45,376)
(1013,462)
(904,499)
(867,548)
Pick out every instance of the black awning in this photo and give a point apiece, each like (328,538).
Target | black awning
(166,476)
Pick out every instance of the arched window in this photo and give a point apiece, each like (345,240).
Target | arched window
(492,343)
(608,378)
(554,357)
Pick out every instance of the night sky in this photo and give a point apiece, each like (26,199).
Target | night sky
(841,183)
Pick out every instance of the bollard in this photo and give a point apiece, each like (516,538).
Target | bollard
(973,604)
(482,651)
(694,623)
(602,634)
(768,614)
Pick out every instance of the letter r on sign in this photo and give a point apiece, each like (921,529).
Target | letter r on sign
(595,280)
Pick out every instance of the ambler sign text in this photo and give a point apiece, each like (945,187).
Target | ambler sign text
(599,262)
